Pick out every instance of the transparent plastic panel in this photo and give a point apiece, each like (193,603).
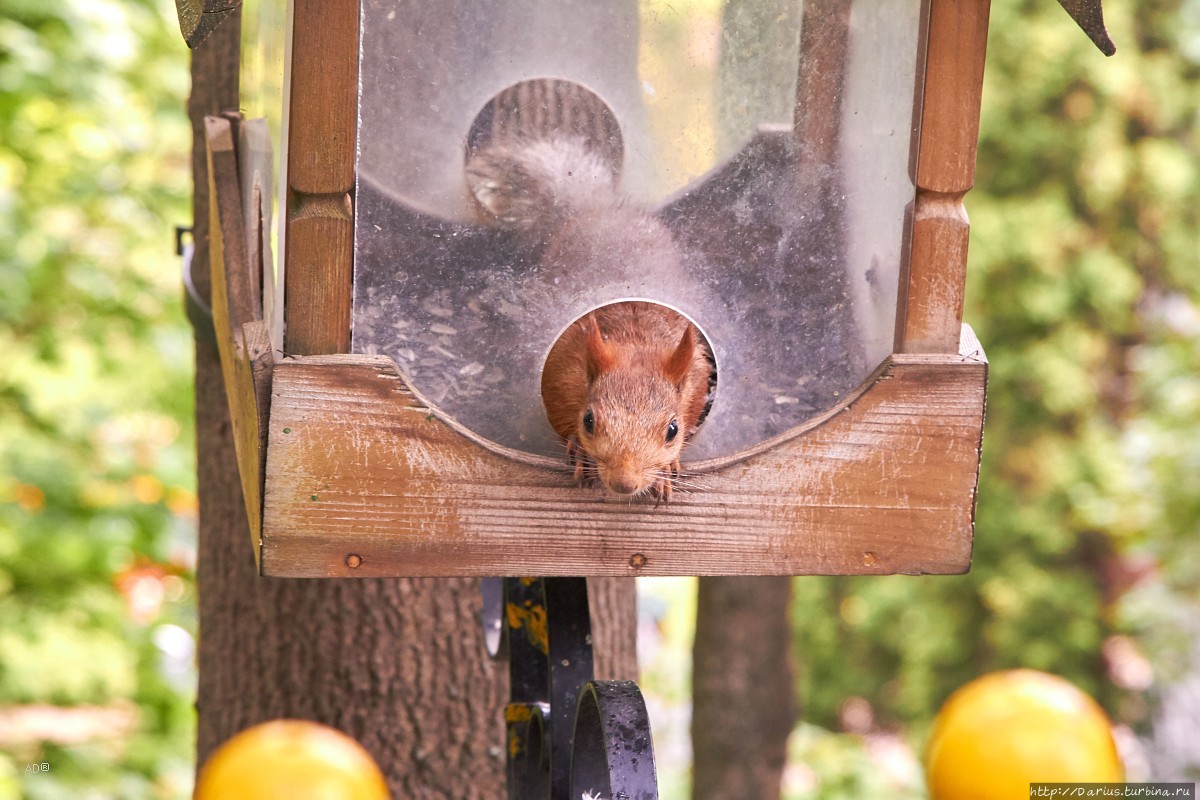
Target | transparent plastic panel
(877,137)
(767,145)
(263,90)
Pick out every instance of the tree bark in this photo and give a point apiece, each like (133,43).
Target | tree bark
(742,688)
(398,664)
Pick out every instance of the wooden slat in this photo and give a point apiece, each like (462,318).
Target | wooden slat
(322,126)
(242,339)
(365,480)
(929,313)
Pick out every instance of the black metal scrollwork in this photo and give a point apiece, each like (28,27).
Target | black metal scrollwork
(569,737)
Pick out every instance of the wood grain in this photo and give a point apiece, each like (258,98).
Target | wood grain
(364,479)
(318,276)
(322,127)
(242,338)
(929,313)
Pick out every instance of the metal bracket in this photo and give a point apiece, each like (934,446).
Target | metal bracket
(199,312)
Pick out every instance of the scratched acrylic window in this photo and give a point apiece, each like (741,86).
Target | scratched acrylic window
(771,139)
(261,151)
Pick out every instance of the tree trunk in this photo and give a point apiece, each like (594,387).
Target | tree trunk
(398,664)
(742,688)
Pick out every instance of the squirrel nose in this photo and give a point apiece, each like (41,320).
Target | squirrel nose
(623,485)
(624,482)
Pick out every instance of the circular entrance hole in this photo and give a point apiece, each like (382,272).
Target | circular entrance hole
(626,385)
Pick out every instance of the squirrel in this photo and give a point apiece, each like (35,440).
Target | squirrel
(627,384)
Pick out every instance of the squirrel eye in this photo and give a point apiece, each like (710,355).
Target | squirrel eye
(672,430)
(589,421)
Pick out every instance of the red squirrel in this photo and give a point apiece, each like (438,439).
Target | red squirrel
(626,384)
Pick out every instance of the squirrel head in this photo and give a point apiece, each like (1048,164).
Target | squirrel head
(635,420)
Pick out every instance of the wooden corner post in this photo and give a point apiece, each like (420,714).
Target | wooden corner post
(929,312)
(322,129)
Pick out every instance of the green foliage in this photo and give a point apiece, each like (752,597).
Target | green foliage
(1082,287)
(97,479)
(826,766)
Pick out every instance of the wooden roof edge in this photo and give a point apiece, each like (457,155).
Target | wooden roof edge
(199,18)
(1089,14)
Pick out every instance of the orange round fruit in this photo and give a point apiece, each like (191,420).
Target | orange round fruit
(1004,731)
(291,759)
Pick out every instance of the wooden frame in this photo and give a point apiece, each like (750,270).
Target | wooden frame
(362,478)
(321,131)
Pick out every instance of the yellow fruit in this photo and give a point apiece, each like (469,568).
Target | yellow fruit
(1003,731)
(291,760)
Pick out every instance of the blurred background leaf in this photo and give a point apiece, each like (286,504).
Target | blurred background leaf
(97,504)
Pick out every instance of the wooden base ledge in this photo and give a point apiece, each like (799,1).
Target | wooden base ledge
(363,480)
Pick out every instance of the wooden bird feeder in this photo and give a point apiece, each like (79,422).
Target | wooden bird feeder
(382,345)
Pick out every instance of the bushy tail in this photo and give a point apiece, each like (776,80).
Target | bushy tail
(532,186)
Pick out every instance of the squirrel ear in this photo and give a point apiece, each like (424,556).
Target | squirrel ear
(679,364)
(600,354)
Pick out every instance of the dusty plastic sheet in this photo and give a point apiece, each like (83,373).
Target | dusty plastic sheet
(262,153)
(791,222)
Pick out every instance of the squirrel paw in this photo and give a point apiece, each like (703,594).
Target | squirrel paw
(578,458)
(663,486)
